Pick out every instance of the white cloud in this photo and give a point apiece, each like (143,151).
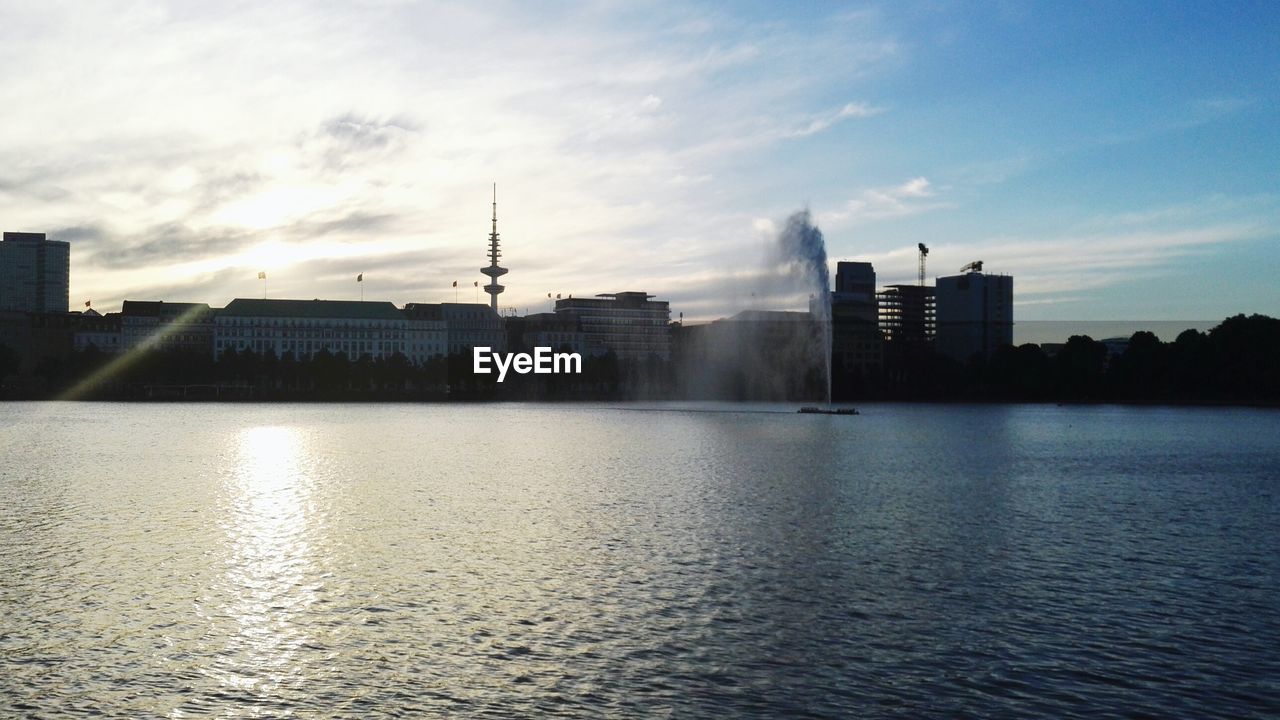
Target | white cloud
(914,196)
(825,121)
(193,138)
(1056,268)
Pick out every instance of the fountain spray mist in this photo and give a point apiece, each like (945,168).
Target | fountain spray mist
(765,351)
(802,251)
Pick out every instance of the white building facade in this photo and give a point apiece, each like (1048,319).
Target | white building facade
(306,327)
(427,334)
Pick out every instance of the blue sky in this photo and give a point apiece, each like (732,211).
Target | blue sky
(1120,160)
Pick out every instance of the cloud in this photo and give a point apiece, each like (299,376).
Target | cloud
(187,144)
(1057,267)
(914,196)
(170,243)
(823,122)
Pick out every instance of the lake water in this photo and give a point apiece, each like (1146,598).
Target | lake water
(530,560)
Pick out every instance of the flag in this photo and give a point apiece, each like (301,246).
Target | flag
(360,277)
(86,303)
(455,283)
(262,276)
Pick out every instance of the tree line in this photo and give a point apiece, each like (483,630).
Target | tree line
(1236,362)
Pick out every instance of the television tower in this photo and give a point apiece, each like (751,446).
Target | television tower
(493,271)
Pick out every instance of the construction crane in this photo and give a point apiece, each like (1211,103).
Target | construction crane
(924,252)
(975,266)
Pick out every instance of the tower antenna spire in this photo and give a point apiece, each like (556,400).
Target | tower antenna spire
(493,270)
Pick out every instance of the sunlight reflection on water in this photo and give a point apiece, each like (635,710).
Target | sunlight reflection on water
(498,561)
(269,575)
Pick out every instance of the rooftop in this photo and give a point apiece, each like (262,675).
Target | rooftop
(350,309)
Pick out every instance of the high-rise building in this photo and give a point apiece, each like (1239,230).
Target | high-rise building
(857,346)
(907,315)
(858,278)
(631,324)
(975,314)
(34,273)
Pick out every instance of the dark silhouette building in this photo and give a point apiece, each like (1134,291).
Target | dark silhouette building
(975,314)
(857,345)
(159,325)
(908,314)
(35,273)
(631,324)
(754,355)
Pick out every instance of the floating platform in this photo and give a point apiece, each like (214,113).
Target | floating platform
(814,410)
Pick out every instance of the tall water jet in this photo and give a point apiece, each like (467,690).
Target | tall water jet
(764,351)
(802,251)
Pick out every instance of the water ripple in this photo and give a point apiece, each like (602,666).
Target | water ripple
(402,561)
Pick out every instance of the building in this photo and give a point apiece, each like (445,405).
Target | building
(34,273)
(34,337)
(975,314)
(630,324)
(857,279)
(562,333)
(160,325)
(102,332)
(306,327)
(472,325)
(426,333)
(857,345)
(756,355)
(907,314)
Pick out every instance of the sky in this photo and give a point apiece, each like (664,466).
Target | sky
(1119,160)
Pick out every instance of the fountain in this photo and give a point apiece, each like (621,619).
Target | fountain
(802,253)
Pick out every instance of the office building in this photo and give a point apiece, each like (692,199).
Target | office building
(631,324)
(857,346)
(560,332)
(34,273)
(856,279)
(975,314)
